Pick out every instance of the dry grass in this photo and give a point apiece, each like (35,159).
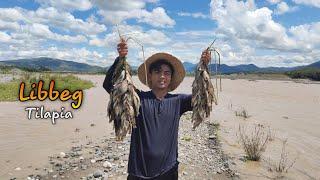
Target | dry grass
(253,142)
(283,165)
(242,113)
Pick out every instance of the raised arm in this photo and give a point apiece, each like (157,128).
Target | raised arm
(123,51)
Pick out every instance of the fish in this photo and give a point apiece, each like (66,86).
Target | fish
(124,104)
(203,95)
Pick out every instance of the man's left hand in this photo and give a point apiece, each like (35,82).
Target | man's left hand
(206,56)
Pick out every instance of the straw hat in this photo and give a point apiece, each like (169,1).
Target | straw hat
(177,76)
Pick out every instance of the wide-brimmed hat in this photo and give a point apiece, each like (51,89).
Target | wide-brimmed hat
(177,76)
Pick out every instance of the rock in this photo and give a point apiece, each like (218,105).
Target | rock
(184,173)
(107,164)
(93,161)
(18,169)
(83,167)
(62,154)
(92,124)
(98,173)
(243,159)
(81,158)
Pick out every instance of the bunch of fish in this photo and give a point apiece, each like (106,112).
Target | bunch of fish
(124,104)
(203,95)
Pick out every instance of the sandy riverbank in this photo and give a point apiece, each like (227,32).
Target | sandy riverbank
(289,108)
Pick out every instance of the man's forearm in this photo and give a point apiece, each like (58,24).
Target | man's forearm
(107,83)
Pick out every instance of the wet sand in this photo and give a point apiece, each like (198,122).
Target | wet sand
(289,108)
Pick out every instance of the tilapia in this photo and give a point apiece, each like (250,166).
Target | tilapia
(203,95)
(124,104)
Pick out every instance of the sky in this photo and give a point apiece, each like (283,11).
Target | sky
(279,33)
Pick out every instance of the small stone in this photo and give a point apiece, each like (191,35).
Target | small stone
(122,165)
(184,173)
(107,164)
(93,161)
(81,158)
(83,167)
(98,173)
(18,169)
(62,154)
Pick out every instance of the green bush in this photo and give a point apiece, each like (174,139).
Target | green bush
(305,73)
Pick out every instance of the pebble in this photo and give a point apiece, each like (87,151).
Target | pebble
(18,169)
(107,164)
(98,173)
(199,155)
(62,154)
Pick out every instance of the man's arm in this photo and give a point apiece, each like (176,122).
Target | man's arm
(185,103)
(123,51)
(107,83)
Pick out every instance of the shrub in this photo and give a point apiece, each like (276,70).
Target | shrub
(254,142)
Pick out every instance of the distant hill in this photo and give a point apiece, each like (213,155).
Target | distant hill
(244,68)
(311,71)
(50,64)
(314,65)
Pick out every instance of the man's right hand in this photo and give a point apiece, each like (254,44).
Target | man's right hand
(122,48)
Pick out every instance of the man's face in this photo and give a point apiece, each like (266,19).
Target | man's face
(161,78)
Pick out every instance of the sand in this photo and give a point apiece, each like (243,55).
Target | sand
(289,108)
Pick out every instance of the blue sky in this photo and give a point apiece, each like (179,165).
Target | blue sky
(265,33)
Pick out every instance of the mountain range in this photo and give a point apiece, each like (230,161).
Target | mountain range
(50,64)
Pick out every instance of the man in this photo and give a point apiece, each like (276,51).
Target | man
(154,143)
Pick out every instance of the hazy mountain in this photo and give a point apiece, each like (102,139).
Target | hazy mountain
(246,68)
(51,64)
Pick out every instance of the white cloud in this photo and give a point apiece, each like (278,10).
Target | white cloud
(4,25)
(43,31)
(116,12)
(119,5)
(249,35)
(274,1)
(307,34)
(315,3)
(81,5)
(194,15)
(241,20)
(52,17)
(284,8)
(157,18)
(196,35)
(78,55)
(4,37)
(151,37)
